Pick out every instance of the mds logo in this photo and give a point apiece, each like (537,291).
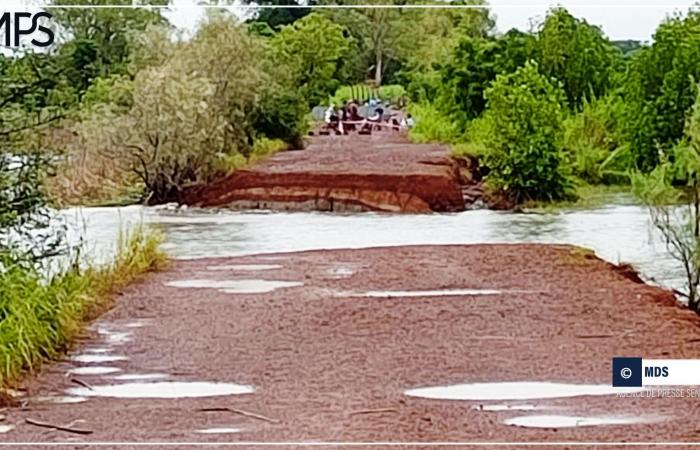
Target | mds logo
(14,25)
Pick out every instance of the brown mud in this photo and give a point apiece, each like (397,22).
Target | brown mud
(380,172)
(328,365)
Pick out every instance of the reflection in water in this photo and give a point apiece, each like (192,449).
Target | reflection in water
(161,389)
(523,390)
(577,421)
(235,286)
(434,293)
(221,430)
(96,359)
(618,233)
(93,370)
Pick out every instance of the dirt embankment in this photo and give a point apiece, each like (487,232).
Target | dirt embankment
(330,363)
(382,172)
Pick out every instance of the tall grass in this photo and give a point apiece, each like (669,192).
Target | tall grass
(431,125)
(39,318)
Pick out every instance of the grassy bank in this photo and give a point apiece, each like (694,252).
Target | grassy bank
(39,318)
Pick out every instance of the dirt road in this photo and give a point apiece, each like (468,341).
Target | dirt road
(382,172)
(330,355)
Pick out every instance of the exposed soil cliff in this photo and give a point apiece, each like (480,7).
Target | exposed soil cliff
(344,173)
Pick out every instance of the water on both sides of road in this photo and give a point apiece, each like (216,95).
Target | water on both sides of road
(617,232)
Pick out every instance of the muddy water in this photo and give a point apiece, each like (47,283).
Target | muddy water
(618,232)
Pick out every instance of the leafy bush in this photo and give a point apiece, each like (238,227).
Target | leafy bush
(392,93)
(522,126)
(311,49)
(431,125)
(660,89)
(593,138)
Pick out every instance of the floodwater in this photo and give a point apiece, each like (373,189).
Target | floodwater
(162,389)
(617,232)
(518,390)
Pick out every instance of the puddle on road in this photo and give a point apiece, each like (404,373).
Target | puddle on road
(236,286)
(140,376)
(60,399)
(503,407)
(6,428)
(96,350)
(90,359)
(221,430)
(526,390)
(163,389)
(136,323)
(246,267)
(577,421)
(115,337)
(93,370)
(428,293)
(341,272)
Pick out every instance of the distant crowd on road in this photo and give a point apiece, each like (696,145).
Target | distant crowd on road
(373,115)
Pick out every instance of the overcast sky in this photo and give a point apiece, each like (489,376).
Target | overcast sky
(620,19)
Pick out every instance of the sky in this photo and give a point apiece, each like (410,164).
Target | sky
(619,19)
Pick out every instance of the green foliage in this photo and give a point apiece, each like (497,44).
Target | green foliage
(675,207)
(577,54)
(274,18)
(593,137)
(524,118)
(431,125)
(103,35)
(395,94)
(473,66)
(311,49)
(190,113)
(39,318)
(115,91)
(660,89)
(281,114)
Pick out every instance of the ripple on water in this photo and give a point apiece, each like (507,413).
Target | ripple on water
(236,286)
(546,421)
(525,390)
(163,389)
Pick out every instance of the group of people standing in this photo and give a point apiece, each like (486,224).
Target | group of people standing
(348,117)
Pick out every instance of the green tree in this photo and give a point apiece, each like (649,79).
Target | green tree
(523,120)
(311,50)
(275,18)
(675,210)
(578,55)
(661,89)
(108,29)
(471,69)
(190,114)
